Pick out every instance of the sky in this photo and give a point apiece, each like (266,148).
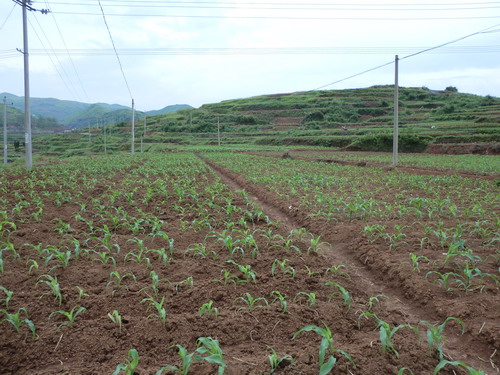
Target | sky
(198,52)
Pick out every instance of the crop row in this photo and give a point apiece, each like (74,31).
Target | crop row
(160,258)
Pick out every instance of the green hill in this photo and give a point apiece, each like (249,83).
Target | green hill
(77,114)
(354,119)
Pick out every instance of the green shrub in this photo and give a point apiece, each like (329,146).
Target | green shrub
(383,142)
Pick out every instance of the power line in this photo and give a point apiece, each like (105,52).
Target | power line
(50,57)
(291,6)
(116,53)
(286,17)
(8,16)
(273,51)
(453,41)
(294,3)
(67,51)
(484,31)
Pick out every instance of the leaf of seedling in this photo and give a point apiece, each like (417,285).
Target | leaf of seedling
(342,292)
(8,296)
(70,315)
(131,363)
(213,353)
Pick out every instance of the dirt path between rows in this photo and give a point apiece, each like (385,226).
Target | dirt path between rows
(465,347)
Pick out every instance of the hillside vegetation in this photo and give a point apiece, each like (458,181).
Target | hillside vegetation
(73,114)
(354,119)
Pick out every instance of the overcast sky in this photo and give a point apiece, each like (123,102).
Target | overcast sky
(198,52)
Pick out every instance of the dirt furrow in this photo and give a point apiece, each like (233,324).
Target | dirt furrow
(467,347)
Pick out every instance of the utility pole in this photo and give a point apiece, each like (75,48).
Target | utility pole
(133,127)
(4,130)
(104,130)
(218,130)
(27,114)
(143,132)
(396,114)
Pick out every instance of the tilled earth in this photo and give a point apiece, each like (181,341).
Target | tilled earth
(94,344)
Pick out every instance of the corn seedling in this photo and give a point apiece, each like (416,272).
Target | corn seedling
(116,318)
(189,282)
(246,270)
(155,282)
(325,348)
(209,350)
(105,258)
(374,231)
(251,302)
(53,284)
(434,334)
(62,227)
(81,293)
(298,233)
(201,250)
(445,279)
(8,296)
(342,292)
(187,360)
(277,362)
(228,277)
(340,270)
(315,245)
(374,299)
(311,272)
(281,298)
(415,261)
(70,315)
(310,298)
(208,310)
(130,364)
(16,320)
(116,279)
(162,254)
(284,267)
(470,370)
(386,333)
(285,243)
(397,238)
(161,313)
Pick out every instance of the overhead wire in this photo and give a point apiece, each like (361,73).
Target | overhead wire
(8,16)
(116,53)
(264,6)
(67,51)
(483,31)
(283,17)
(273,51)
(50,57)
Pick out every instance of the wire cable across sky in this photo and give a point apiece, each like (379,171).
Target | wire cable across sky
(483,31)
(116,53)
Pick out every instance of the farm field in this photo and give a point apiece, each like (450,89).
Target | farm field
(245,264)
(473,164)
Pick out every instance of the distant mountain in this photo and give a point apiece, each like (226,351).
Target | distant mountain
(169,109)
(15,121)
(77,114)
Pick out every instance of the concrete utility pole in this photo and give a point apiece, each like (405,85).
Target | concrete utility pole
(27,114)
(143,132)
(218,130)
(396,114)
(5,130)
(104,131)
(133,127)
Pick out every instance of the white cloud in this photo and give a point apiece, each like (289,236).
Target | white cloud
(160,80)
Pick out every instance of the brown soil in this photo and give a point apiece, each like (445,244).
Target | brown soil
(95,345)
